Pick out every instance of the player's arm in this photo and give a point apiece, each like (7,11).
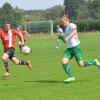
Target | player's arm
(20,36)
(74,32)
(27,34)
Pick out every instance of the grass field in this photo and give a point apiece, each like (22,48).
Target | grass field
(45,81)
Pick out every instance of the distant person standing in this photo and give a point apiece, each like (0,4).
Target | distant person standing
(59,35)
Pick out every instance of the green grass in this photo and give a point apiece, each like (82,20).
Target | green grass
(45,81)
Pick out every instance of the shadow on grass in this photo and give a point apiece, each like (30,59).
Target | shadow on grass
(56,81)
(45,81)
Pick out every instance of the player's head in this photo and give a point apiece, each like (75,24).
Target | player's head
(65,20)
(7,26)
(19,28)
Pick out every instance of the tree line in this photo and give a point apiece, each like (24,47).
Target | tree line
(82,9)
(8,14)
(86,13)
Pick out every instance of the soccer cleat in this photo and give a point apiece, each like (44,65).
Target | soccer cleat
(57,47)
(97,63)
(7,74)
(29,65)
(70,79)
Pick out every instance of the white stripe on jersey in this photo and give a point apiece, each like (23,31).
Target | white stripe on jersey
(10,38)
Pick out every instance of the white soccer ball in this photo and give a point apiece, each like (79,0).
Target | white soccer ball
(26,50)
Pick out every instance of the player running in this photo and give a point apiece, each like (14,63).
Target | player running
(24,34)
(8,37)
(59,35)
(73,49)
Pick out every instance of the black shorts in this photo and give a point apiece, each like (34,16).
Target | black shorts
(10,52)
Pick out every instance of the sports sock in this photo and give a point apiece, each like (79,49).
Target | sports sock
(6,65)
(89,62)
(58,45)
(23,62)
(20,46)
(67,70)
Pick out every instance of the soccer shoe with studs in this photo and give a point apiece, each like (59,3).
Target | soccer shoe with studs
(57,47)
(7,74)
(70,79)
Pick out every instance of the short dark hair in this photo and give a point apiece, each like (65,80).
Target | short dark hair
(66,16)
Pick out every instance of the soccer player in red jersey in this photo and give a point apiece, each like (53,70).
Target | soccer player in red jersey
(24,34)
(8,37)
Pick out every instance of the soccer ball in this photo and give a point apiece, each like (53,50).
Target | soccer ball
(26,50)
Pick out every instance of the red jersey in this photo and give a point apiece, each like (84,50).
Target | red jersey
(24,33)
(8,38)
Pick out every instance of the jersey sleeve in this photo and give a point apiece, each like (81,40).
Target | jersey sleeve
(61,30)
(15,32)
(73,26)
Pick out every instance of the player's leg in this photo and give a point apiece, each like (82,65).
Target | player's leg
(21,62)
(5,60)
(67,56)
(66,67)
(84,63)
(20,45)
(8,53)
(58,45)
(62,38)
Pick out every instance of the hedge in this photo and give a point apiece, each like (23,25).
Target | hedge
(88,25)
(84,25)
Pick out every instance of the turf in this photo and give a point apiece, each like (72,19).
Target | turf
(45,81)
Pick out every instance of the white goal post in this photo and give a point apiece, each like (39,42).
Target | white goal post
(34,27)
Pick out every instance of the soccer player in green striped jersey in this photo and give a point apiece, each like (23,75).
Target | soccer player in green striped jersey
(73,49)
(59,35)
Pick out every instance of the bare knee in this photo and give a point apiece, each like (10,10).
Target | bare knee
(64,60)
(81,63)
(4,57)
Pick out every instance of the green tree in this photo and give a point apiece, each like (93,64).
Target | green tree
(83,11)
(9,15)
(94,9)
(54,13)
(72,7)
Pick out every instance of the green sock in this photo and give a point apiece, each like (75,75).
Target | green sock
(58,45)
(89,62)
(67,70)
